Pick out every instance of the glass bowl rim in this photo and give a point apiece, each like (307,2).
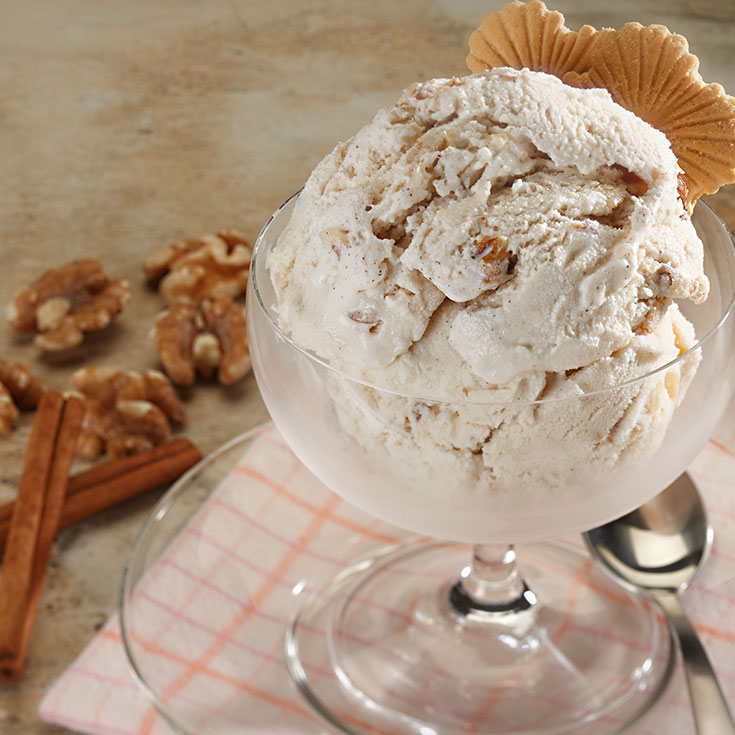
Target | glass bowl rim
(253,284)
(126,590)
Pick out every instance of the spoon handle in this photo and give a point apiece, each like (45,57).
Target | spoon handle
(711,712)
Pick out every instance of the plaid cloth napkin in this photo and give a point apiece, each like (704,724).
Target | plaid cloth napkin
(215,641)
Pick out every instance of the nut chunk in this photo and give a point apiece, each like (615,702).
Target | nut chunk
(126,412)
(208,267)
(67,301)
(19,388)
(204,339)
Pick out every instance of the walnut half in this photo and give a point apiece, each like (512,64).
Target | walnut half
(207,267)
(8,410)
(19,388)
(126,412)
(212,336)
(67,301)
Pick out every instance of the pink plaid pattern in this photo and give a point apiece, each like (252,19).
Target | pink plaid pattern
(212,630)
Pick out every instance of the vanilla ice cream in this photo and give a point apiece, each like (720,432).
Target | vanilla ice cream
(496,238)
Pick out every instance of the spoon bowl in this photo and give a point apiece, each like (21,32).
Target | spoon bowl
(660,545)
(659,548)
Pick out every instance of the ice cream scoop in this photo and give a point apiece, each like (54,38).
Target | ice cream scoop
(495,238)
(550,214)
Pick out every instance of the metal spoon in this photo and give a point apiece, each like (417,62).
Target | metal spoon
(659,548)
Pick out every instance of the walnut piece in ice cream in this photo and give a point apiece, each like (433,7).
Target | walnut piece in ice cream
(67,301)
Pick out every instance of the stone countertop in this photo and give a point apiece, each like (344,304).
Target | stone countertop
(125,126)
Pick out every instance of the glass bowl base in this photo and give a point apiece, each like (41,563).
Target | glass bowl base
(382,649)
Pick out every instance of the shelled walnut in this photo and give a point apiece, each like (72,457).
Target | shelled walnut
(208,267)
(67,301)
(126,412)
(212,336)
(19,389)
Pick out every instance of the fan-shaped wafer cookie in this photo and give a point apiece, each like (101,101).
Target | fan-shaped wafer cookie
(646,69)
(528,36)
(649,70)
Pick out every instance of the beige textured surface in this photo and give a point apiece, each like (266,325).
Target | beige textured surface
(125,125)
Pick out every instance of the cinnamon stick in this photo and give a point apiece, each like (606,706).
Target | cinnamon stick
(58,481)
(40,498)
(116,481)
(119,466)
(168,464)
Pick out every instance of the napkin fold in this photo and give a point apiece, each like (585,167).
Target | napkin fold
(193,625)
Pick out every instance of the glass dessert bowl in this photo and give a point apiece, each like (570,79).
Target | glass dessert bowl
(450,636)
